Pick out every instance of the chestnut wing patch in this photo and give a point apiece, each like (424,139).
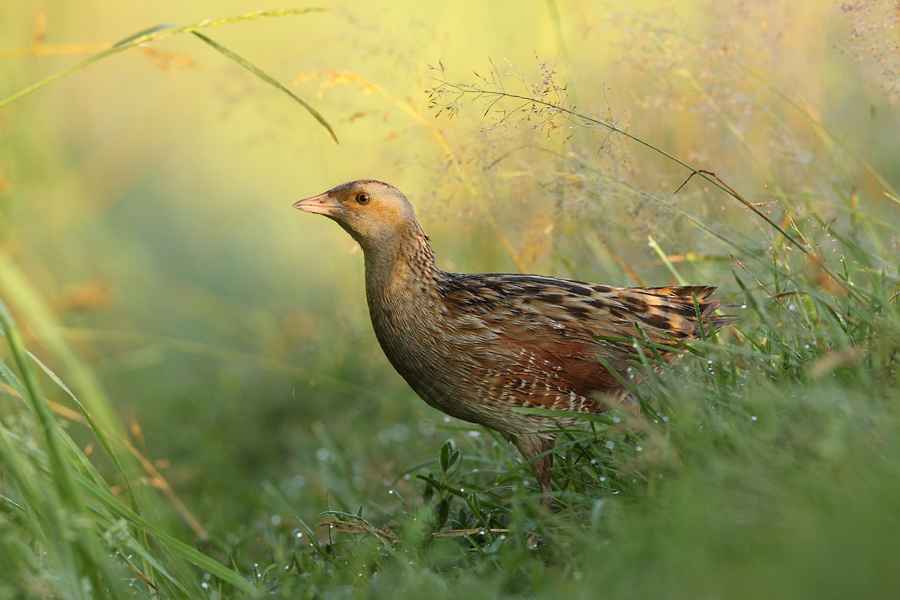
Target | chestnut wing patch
(550,330)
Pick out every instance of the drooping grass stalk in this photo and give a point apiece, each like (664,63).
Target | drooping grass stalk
(159,32)
(495,96)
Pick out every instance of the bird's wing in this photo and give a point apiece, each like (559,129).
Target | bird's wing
(551,330)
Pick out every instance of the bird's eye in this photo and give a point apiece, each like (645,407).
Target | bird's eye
(363,198)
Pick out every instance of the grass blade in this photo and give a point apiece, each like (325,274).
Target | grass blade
(270,80)
(159,32)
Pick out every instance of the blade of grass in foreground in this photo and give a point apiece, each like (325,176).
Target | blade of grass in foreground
(55,512)
(80,530)
(61,475)
(167,30)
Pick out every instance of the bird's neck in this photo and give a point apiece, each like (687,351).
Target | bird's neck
(404,305)
(402,267)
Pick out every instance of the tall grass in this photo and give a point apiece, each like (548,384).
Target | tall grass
(66,530)
(766,462)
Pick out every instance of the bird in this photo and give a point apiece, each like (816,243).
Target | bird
(482,347)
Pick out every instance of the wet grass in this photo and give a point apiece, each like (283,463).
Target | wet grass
(251,448)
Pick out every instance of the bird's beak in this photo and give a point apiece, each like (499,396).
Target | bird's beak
(323,204)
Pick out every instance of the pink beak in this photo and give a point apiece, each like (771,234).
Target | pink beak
(323,204)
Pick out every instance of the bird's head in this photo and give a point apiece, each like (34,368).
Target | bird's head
(374,213)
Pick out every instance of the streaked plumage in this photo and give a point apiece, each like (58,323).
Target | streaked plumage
(479,346)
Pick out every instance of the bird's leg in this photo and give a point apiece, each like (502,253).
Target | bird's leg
(532,445)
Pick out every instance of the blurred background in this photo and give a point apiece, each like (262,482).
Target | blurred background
(147,198)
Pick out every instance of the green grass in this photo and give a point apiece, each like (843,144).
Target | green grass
(766,462)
